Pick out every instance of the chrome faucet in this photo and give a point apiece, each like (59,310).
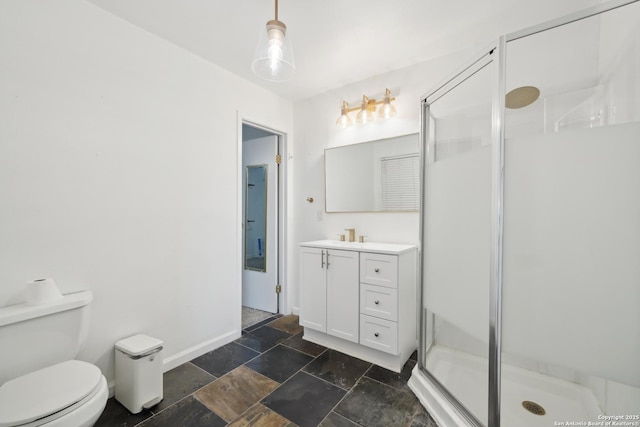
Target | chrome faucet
(352,234)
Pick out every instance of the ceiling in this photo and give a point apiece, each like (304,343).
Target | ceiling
(335,42)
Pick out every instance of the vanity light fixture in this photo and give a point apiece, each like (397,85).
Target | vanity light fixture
(366,110)
(273,57)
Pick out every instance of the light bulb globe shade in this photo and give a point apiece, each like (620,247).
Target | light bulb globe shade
(365,115)
(387,111)
(273,57)
(344,121)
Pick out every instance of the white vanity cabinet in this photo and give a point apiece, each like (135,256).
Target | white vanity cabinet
(360,299)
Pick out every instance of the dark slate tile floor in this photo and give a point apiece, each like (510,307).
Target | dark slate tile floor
(292,383)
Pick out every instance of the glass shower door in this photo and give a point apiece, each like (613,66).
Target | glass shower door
(531,229)
(456,237)
(571,270)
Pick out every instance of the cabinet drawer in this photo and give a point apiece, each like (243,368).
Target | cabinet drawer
(379,334)
(379,301)
(379,269)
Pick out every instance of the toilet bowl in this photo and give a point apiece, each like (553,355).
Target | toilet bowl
(41,384)
(71,393)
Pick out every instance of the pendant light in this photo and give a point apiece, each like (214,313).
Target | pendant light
(273,57)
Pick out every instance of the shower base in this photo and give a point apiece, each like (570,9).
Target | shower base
(465,376)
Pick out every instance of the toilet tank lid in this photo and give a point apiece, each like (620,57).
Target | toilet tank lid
(21,312)
(138,344)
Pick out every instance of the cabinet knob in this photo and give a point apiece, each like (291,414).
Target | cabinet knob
(377,270)
(376,302)
(376,334)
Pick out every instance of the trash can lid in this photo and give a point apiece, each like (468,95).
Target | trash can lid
(138,344)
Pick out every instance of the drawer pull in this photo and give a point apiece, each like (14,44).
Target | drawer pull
(377,302)
(377,270)
(376,334)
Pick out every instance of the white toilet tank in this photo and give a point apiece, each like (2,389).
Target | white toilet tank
(36,336)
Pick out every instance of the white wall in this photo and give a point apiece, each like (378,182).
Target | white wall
(119,173)
(315,131)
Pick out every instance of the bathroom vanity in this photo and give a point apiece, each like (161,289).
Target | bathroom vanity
(360,299)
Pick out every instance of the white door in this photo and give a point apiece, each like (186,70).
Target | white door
(260,223)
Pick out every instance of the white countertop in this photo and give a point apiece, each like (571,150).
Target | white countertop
(383,248)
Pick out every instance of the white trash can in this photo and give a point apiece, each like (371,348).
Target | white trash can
(139,372)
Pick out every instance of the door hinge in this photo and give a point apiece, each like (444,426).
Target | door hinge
(278,159)
(278,288)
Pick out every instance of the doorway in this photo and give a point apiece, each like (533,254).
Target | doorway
(260,223)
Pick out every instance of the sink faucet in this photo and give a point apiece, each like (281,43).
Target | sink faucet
(352,234)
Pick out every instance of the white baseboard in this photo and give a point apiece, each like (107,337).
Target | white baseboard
(295,310)
(191,353)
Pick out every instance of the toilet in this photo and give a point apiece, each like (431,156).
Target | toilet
(40,382)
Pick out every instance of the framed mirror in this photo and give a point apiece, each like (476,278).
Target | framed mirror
(374,176)
(255,216)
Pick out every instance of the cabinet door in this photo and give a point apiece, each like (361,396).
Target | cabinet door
(343,294)
(313,289)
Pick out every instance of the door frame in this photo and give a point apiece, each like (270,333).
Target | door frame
(282,204)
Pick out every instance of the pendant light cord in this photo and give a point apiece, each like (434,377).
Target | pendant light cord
(276,10)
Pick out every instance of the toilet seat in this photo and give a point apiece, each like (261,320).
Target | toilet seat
(47,393)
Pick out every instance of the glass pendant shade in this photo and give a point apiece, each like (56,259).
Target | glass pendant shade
(344,120)
(387,110)
(273,57)
(365,115)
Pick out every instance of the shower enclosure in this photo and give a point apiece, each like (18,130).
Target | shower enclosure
(530,246)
